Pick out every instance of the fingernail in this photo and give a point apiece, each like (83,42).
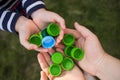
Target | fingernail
(35,47)
(63,26)
(76,23)
(56,44)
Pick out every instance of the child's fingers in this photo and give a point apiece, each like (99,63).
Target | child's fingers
(60,37)
(27,45)
(60,21)
(40,49)
(43,76)
(24,41)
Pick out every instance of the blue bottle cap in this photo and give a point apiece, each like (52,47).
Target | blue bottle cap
(48,42)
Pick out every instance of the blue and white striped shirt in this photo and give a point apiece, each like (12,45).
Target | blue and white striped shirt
(11,10)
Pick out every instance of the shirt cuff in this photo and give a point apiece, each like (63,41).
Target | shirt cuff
(32,5)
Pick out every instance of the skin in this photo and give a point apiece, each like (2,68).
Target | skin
(26,27)
(45,17)
(45,62)
(93,51)
(96,61)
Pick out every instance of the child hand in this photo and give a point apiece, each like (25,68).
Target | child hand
(43,17)
(25,27)
(45,62)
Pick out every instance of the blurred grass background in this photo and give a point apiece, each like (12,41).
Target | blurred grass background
(102,17)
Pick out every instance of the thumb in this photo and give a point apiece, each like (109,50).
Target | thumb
(60,21)
(24,41)
(43,76)
(84,31)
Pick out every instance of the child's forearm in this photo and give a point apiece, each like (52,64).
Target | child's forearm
(109,68)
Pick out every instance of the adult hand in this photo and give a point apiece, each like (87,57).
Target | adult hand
(93,52)
(45,62)
(96,61)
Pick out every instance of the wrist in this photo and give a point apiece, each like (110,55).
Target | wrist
(35,13)
(21,20)
(101,66)
(109,68)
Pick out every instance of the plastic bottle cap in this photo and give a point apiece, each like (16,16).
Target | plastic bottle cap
(77,53)
(53,29)
(68,39)
(44,33)
(55,70)
(35,39)
(67,50)
(48,42)
(67,63)
(57,57)
(40,34)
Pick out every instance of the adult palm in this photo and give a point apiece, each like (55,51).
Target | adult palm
(93,52)
(45,62)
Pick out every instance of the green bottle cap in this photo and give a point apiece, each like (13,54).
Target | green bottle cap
(40,34)
(53,29)
(35,39)
(68,39)
(57,57)
(77,53)
(67,50)
(44,33)
(67,63)
(55,69)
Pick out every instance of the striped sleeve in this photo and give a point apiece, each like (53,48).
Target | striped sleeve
(32,5)
(8,20)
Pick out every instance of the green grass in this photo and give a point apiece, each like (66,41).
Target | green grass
(102,17)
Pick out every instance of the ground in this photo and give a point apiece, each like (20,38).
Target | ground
(102,17)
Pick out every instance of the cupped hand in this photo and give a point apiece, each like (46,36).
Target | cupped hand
(43,17)
(25,28)
(93,51)
(45,61)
